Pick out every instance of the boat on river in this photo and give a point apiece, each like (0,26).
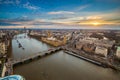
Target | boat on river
(20,45)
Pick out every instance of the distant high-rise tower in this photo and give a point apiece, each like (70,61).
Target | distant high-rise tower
(25,29)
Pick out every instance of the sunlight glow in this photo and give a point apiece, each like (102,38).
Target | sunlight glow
(95,23)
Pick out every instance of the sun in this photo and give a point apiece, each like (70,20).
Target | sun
(95,23)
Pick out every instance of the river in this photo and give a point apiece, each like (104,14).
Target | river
(57,66)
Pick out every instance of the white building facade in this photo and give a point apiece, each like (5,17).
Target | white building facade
(101,50)
(2,48)
(118,52)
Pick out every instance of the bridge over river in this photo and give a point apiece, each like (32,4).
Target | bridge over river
(34,56)
(12,62)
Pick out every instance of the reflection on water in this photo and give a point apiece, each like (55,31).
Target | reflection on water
(29,47)
(58,66)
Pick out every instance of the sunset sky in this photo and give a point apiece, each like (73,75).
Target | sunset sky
(60,14)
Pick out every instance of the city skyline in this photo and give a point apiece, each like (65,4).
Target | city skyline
(85,14)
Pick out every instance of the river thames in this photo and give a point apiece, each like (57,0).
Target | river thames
(57,66)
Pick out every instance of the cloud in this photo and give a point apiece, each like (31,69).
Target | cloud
(69,20)
(59,26)
(10,2)
(30,6)
(17,1)
(6,2)
(44,23)
(82,7)
(24,21)
(93,17)
(60,18)
(60,12)
(26,5)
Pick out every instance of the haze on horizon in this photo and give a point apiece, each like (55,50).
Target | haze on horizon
(61,14)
